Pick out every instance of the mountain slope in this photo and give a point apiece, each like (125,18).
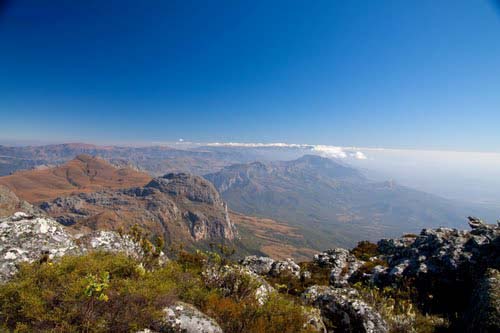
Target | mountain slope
(180,207)
(333,204)
(82,174)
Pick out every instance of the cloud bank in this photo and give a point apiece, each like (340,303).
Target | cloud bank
(322,150)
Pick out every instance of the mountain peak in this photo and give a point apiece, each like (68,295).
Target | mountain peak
(84,173)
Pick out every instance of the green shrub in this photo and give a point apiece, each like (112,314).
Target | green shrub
(102,292)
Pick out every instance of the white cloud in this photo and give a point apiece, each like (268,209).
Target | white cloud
(330,151)
(322,150)
(359,155)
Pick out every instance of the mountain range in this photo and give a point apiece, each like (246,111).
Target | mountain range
(331,203)
(88,193)
(301,204)
(156,160)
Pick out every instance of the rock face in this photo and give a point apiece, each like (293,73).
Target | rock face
(28,238)
(342,263)
(185,318)
(271,267)
(343,310)
(188,186)
(177,206)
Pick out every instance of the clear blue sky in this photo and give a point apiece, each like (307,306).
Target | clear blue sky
(419,74)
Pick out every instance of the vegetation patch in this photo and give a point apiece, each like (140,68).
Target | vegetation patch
(365,250)
(102,292)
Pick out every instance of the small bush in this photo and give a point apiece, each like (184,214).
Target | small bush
(365,250)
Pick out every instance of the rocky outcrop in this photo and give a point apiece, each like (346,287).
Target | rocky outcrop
(440,262)
(10,203)
(443,250)
(285,267)
(258,265)
(343,310)
(176,206)
(185,318)
(342,263)
(28,238)
(444,266)
(186,186)
(275,268)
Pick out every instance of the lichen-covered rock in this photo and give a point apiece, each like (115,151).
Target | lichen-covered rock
(282,267)
(483,315)
(443,251)
(342,263)
(110,241)
(443,265)
(27,238)
(185,318)
(343,310)
(258,265)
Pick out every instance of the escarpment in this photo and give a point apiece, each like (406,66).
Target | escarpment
(180,207)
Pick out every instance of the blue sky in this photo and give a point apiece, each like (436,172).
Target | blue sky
(405,74)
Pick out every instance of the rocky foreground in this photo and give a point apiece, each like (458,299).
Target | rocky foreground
(450,274)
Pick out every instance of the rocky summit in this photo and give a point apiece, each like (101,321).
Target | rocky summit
(441,279)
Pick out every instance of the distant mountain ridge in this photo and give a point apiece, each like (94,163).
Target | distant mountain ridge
(156,160)
(333,204)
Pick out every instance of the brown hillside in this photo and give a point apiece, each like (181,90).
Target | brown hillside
(82,174)
(272,238)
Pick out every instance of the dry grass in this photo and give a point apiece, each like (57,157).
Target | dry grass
(82,174)
(275,239)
